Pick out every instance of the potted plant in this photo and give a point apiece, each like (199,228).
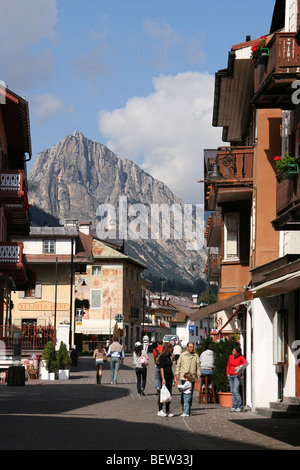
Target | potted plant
(63,362)
(32,372)
(222,351)
(259,51)
(49,355)
(286,166)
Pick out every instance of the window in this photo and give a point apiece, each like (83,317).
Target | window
(280,343)
(34,291)
(231,236)
(96,298)
(30,292)
(49,246)
(96,270)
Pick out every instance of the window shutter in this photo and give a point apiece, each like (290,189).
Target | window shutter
(38,290)
(96,298)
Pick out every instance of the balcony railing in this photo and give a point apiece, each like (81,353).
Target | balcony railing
(11,184)
(236,167)
(12,262)
(213,267)
(11,253)
(273,79)
(30,337)
(287,203)
(214,230)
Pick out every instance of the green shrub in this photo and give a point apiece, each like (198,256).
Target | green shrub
(49,355)
(222,351)
(63,360)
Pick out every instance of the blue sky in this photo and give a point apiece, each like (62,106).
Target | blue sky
(135,75)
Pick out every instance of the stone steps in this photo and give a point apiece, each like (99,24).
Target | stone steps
(289,408)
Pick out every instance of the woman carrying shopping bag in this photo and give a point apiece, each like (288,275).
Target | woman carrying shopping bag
(166,377)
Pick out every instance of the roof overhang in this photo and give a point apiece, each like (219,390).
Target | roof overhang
(278,286)
(15,113)
(234,88)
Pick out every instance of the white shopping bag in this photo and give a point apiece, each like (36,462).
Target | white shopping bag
(165,395)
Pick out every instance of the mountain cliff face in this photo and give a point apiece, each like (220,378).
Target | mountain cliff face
(75,176)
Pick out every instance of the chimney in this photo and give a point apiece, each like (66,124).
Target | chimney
(70,223)
(195,299)
(85,227)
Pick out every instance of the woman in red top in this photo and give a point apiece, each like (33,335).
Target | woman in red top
(235,360)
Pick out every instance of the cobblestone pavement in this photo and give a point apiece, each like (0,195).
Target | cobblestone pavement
(80,415)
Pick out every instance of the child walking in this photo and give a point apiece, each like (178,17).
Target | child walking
(186,389)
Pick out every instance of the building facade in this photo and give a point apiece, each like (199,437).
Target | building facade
(76,279)
(256,235)
(15,151)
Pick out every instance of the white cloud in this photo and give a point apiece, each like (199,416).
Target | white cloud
(167,131)
(24,25)
(46,106)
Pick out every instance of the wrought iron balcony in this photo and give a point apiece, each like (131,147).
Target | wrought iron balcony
(273,79)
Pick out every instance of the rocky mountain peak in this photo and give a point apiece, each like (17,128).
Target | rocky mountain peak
(72,178)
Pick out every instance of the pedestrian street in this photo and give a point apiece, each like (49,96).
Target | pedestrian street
(78,414)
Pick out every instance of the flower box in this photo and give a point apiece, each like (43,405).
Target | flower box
(264,54)
(291,172)
(259,51)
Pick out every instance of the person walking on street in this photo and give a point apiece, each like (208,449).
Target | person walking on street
(187,392)
(100,356)
(188,362)
(140,367)
(177,351)
(236,363)
(207,360)
(146,342)
(166,376)
(156,353)
(116,354)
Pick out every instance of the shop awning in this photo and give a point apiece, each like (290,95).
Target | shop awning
(96,327)
(223,305)
(277,286)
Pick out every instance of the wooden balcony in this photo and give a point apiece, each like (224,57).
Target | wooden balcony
(13,196)
(214,230)
(12,262)
(213,267)
(236,167)
(273,79)
(11,185)
(287,204)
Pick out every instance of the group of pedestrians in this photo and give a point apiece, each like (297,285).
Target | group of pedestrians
(188,369)
(115,353)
